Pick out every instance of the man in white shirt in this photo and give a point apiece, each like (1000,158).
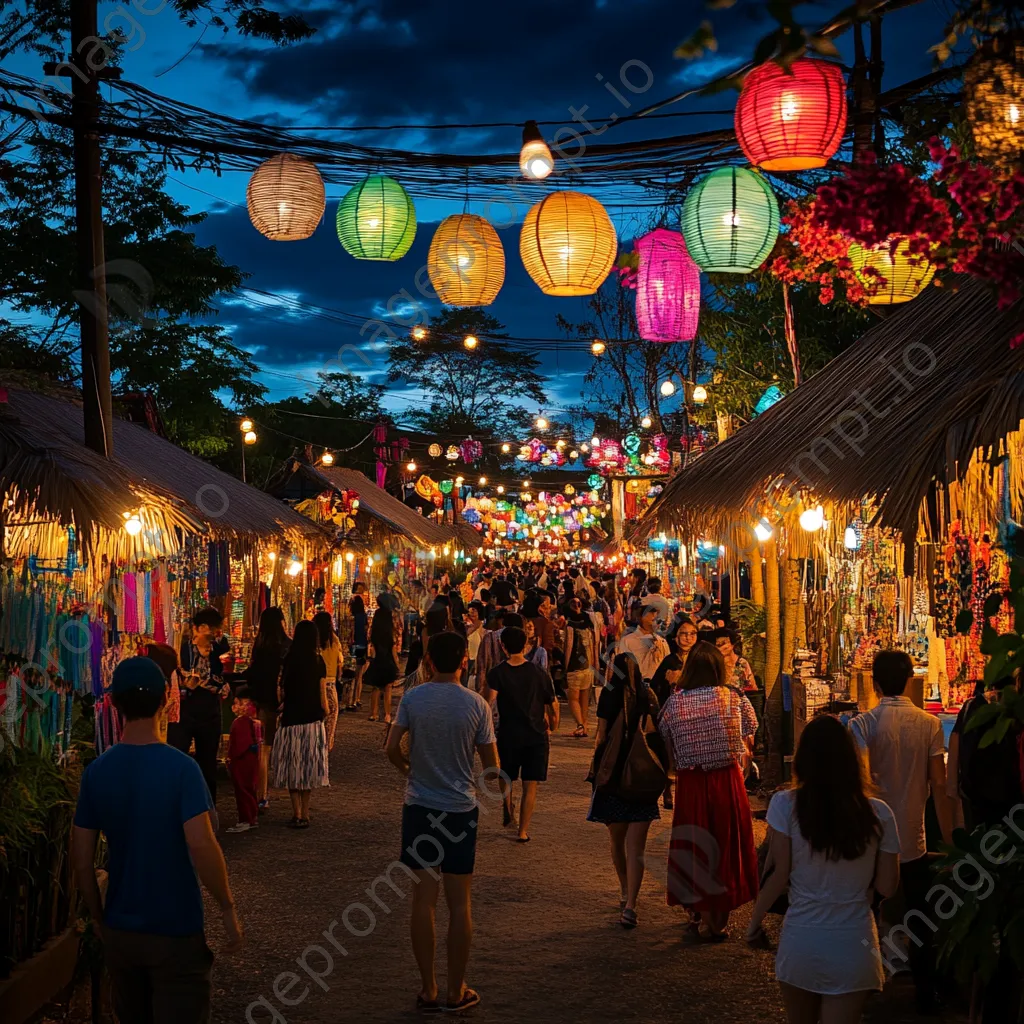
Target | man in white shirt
(905,752)
(656,598)
(649,649)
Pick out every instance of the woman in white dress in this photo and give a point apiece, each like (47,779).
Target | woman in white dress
(834,847)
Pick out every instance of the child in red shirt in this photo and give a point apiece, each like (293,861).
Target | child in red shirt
(244,762)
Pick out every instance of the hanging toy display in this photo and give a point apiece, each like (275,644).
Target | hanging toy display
(471,451)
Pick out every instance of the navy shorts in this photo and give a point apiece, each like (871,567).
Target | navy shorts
(529,761)
(444,841)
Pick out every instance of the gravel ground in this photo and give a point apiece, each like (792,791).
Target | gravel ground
(547,946)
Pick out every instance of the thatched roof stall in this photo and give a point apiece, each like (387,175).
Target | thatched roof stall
(910,404)
(381,517)
(50,475)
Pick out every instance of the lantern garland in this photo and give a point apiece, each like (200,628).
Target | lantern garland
(568,244)
(730,221)
(466,261)
(286,198)
(792,118)
(376,220)
(549,518)
(667,288)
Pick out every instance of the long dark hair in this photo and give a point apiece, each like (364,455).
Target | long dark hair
(832,805)
(270,632)
(382,631)
(626,673)
(325,629)
(705,666)
(304,654)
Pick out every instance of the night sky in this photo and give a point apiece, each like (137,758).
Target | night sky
(441,61)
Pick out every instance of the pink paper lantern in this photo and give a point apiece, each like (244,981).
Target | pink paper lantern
(667,288)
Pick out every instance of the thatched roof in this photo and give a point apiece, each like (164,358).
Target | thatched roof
(43,459)
(377,508)
(906,405)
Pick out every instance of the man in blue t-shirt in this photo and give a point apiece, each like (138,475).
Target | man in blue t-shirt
(153,806)
(448,725)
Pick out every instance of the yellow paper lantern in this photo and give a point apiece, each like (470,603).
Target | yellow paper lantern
(994,94)
(568,244)
(466,261)
(897,275)
(286,198)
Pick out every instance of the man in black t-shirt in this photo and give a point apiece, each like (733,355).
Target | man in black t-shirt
(527,713)
(504,593)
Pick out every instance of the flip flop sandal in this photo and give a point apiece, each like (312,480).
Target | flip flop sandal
(628,919)
(427,1005)
(303,823)
(523,839)
(470,998)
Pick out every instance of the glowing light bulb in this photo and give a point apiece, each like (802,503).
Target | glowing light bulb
(349,556)
(584,447)
(668,389)
(598,347)
(419,333)
(327,459)
(851,539)
(541,424)
(762,530)
(812,519)
(373,222)
(411,467)
(245,426)
(535,159)
(249,437)
(459,481)
(596,442)
(294,567)
(646,422)
(500,489)
(471,341)
(731,219)
(565,252)
(574,454)
(506,448)
(789,109)
(700,394)
(1013,113)
(133,525)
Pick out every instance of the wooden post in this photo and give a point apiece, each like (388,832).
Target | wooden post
(791,608)
(757,578)
(773,660)
(88,57)
(790,328)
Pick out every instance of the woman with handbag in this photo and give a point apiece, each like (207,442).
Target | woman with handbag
(712,863)
(627,776)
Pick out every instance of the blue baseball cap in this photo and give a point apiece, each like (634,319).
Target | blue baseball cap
(138,674)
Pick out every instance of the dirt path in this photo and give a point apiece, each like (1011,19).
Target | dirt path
(547,946)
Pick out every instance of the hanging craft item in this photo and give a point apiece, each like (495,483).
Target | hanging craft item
(596,481)
(286,198)
(466,261)
(377,220)
(471,450)
(667,288)
(994,93)
(631,444)
(445,487)
(434,451)
(452,453)
(425,487)
(380,450)
(568,244)
(730,221)
(792,118)
(889,272)
(768,399)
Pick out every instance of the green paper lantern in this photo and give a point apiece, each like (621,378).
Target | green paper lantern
(445,486)
(377,220)
(595,480)
(631,444)
(730,221)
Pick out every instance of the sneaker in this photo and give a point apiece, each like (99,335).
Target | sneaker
(264,806)
(242,826)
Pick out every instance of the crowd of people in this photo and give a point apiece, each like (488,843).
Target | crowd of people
(481,669)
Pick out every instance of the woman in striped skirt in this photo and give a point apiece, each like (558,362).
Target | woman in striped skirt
(300,750)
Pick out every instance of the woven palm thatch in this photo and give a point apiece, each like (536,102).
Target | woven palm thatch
(381,517)
(46,468)
(910,403)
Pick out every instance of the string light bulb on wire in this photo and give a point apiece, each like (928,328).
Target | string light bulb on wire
(249,437)
(646,422)
(471,341)
(541,423)
(668,389)
(506,448)
(419,333)
(246,425)
(535,159)
(598,347)
(327,459)
(411,467)
(700,394)
(132,524)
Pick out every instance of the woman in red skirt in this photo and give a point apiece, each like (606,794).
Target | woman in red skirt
(708,727)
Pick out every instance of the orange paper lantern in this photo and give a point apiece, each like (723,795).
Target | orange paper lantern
(792,120)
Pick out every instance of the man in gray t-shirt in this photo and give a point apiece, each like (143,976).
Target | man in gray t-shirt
(447,725)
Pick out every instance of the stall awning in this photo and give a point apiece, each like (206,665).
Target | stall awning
(906,405)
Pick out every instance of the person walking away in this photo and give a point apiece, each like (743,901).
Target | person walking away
(245,745)
(528,712)
(152,804)
(383,668)
(330,651)
(299,762)
(581,663)
(261,680)
(360,644)
(448,725)
(707,727)
(657,598)
(204,688)
(625,693)
(834,848)
(739,673)
(506,596)
(649,649)
(904,749)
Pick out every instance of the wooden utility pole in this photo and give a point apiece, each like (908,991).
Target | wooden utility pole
(88,57)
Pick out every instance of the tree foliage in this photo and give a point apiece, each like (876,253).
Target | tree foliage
(468,391)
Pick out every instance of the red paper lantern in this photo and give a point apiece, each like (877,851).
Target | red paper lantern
(667,288)
(792,120)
